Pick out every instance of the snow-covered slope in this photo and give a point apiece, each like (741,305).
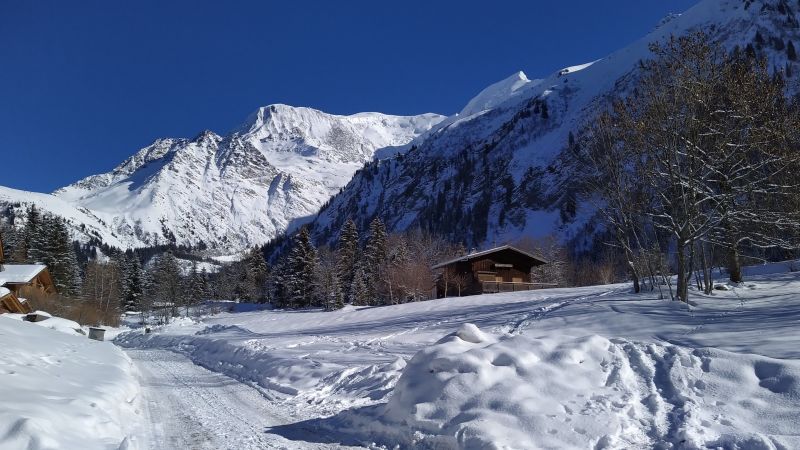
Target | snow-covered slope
(64,391)
(85,224)
(229,192)
(494,172)
(589,367)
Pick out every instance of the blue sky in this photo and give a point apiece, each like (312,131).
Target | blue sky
(85,84)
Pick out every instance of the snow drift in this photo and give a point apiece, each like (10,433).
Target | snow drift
(62,391)
(472,390)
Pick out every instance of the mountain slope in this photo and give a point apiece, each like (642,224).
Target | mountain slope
(495,171)
(230,192)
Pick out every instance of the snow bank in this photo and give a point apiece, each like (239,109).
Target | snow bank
(472,390)
(64,392)
(54,323)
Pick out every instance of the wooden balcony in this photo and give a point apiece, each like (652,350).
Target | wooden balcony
(493,287)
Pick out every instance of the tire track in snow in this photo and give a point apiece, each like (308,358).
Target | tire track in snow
(192,407)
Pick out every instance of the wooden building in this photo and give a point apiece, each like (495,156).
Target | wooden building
(18,281)
(500,269)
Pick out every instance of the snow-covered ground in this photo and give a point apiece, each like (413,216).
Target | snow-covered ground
(562,368)
(61,390)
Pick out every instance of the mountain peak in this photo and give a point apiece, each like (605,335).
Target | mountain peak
(498,93)
(206,137)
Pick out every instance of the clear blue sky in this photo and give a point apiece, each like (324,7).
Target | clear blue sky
(84,84)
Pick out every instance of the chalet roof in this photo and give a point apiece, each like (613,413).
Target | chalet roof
(471,256)
(20,273)
(3,291)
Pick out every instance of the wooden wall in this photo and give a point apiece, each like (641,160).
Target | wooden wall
(486,268)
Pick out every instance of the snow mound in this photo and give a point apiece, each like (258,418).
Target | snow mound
(470,333)
(64,392)
(471,390)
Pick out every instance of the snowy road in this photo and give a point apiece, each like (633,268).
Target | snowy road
(191,407)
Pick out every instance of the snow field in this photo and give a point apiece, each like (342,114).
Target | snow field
(561,368)
(470,390)
(64,391)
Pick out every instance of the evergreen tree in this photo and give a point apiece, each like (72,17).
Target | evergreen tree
(278,287)
(132,283)
(791,53)
(167,284)
(195,289)
(52,245)
(359,291)
(347,256)
(328,284)
(302,279)
(255,275)
(29,245)
(375,258)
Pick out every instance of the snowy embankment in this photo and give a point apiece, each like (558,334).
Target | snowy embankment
(61,390)
(560,368)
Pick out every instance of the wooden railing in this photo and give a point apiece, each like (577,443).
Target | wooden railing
(491,287)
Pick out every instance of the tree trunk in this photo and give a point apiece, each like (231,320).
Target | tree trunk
(634,276)
(734,264)
(682,289)
(707,281)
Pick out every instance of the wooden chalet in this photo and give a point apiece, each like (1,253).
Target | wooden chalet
(17,281)
(500,269)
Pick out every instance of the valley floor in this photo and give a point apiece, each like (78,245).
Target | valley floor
(562,368)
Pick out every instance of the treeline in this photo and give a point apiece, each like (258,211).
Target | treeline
(377,269)
(697,166)
(365,268)
(44,239)
(94,288)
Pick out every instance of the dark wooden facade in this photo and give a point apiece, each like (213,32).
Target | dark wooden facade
(21,281)
(501,269)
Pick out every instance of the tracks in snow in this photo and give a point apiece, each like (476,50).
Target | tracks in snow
(192,407)
(518,326)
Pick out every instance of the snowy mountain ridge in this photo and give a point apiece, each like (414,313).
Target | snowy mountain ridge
(497,171)
(227,192)
(493,172)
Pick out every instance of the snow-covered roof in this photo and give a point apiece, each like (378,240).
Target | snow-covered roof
(474,255)
(19,273)
(4,291)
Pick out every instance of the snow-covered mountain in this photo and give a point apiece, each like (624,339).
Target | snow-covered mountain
(229,192)
(491,173)
(495,172)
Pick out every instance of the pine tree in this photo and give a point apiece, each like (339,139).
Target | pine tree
(132,283)
(375,258)
(302,279)
(328,280)
(195,289)
(347,256)
(30,242)
(52,245)
(359,291)
(255,276)
(791,53)
(167,284)
(278,290)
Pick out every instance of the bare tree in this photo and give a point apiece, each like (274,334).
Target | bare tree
(460,282)
(707,135)
(102,286)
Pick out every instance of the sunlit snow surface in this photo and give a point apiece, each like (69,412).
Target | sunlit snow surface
(561,368)
(60,390)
